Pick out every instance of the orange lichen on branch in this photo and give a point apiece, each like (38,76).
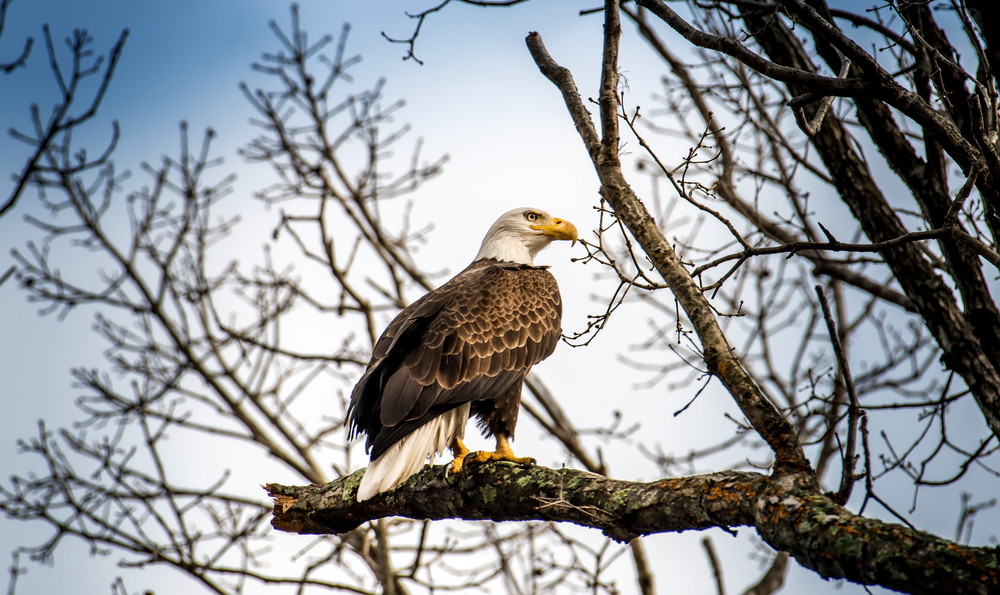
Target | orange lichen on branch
(730,494)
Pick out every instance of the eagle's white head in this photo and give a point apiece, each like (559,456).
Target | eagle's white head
(518,235)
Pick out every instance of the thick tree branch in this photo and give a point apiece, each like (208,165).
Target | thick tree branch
(774,428)
(788,512)
(623,510)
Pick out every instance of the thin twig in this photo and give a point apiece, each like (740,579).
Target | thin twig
(713,560)
(853,408)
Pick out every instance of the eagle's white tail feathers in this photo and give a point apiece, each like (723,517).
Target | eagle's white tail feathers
(407,456)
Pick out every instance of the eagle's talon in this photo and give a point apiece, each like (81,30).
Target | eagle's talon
(477,457)
(460,452)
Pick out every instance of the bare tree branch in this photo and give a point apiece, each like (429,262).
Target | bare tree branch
(717,355)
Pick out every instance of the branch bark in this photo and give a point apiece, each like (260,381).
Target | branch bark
(787,511)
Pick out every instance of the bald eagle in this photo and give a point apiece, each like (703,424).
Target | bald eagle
(458,351)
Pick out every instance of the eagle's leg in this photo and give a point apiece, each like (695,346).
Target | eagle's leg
(503,453)
(460,451)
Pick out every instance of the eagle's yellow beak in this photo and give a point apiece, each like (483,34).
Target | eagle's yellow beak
(559,230)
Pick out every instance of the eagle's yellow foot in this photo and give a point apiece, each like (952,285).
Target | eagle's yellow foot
(460,451)
(485,456)
(503,453)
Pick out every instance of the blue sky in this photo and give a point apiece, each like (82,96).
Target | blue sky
(478,98)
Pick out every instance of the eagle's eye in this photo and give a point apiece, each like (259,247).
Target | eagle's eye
(531,216)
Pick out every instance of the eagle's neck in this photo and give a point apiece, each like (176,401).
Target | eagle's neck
(511,246)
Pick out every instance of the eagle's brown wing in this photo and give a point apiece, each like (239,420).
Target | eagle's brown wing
(472,339)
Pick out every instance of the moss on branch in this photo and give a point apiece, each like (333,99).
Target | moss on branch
(508,492)
(787,510)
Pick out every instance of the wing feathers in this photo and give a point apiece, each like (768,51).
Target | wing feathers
(427,368)
(470,340)
(398,397)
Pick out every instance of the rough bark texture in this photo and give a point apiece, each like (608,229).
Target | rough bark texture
(507,492)
(788,512)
